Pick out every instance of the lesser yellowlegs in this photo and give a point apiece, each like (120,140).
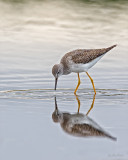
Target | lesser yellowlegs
(77,61)
(79,124)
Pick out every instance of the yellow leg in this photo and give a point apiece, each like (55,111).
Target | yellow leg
(78,102)
(91,105)
(77,84)
(92,82)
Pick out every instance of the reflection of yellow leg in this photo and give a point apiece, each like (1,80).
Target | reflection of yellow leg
(78,102)
(91,105)
(77,84)
(92,82)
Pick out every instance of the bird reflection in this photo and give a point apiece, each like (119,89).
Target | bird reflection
(79,124)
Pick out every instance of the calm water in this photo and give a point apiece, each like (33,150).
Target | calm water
(34,35)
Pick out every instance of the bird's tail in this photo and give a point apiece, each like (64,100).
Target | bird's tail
(111,137)
(109,48)
(102,51)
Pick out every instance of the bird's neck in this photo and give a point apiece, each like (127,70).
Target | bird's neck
(62,68)
(65,69)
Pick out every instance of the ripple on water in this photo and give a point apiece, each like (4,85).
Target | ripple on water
(64,94)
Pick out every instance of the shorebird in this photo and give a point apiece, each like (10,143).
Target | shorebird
(80,60)
(79,124)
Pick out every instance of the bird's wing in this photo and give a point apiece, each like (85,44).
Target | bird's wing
(87,55)
(84,130)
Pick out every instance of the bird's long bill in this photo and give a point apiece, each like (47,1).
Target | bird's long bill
(56,79)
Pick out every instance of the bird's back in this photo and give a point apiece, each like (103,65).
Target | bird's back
(82,126)
(84,55)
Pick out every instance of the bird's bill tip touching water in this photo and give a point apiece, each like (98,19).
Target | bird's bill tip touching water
(56,79)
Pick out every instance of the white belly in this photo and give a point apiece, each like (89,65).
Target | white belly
(84,67)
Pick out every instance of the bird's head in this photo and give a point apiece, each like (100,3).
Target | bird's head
(56,114)
(57,71)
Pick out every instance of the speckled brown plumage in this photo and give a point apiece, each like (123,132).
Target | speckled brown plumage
(78,124)
(84,55)
(77,61)
(88,130)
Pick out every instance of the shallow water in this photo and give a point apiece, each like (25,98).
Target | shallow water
(34,35)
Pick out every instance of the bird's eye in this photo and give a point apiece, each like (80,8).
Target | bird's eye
(58,72)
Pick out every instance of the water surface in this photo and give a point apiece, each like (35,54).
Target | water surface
(34,35)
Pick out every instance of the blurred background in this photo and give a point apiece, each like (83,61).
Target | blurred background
(34,35)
